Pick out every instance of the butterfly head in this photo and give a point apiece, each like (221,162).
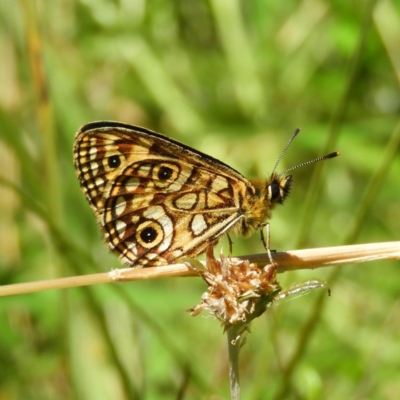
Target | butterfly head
(278,189)
(278,186)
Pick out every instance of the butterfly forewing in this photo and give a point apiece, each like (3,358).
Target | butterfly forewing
(155,199)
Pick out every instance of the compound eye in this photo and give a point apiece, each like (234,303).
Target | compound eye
(279,189)
(274,192)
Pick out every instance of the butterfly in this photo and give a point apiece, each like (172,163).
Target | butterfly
(157,200)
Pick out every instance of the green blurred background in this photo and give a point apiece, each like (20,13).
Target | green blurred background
(232,79)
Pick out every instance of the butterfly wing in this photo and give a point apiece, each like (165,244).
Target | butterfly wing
(156,200)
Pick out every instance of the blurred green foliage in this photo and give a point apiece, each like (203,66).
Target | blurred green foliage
(232,79)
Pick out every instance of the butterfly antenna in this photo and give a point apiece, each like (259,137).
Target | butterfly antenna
(331,155)
(295,133)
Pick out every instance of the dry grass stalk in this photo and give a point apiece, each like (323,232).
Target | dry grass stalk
(287,261)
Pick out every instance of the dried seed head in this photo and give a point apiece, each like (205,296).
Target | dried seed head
(238,291)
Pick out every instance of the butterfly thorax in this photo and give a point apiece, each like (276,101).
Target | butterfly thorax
(259,203)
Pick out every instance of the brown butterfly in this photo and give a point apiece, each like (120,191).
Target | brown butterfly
(158,200)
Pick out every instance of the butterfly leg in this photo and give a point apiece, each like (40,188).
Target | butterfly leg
(266,243)
(230,244)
